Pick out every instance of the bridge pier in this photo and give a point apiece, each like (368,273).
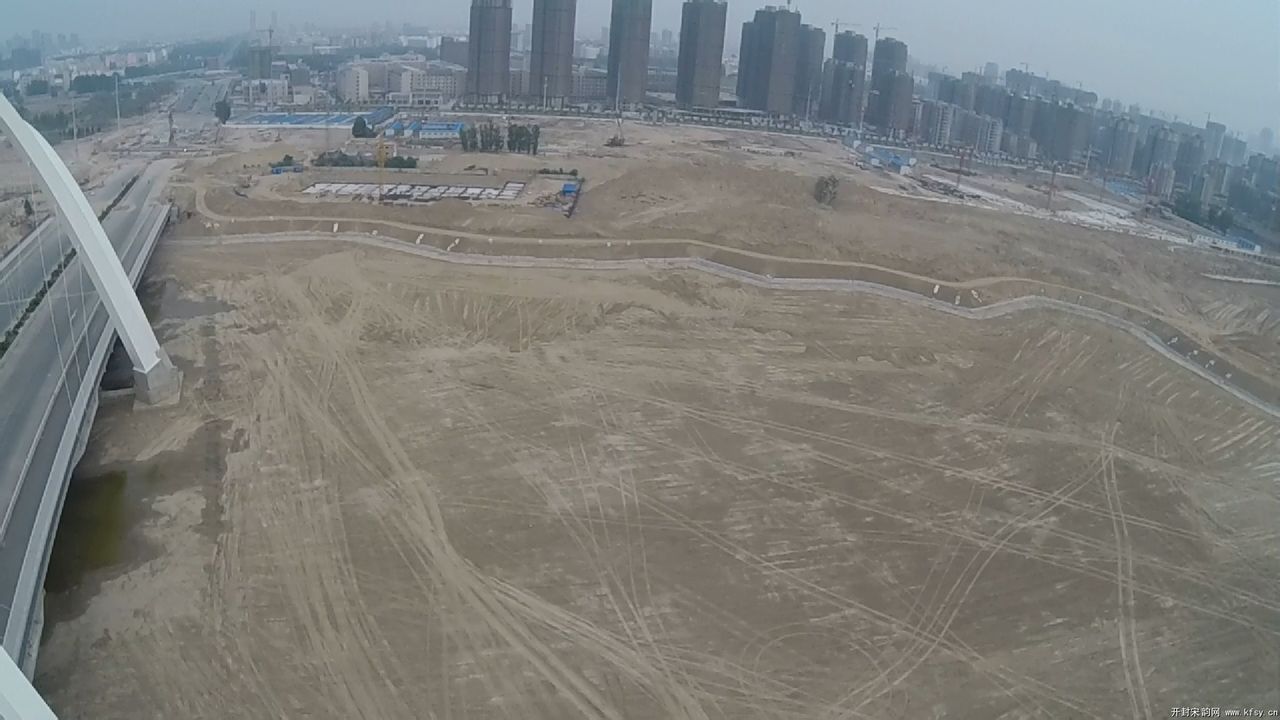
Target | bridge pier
(159,386)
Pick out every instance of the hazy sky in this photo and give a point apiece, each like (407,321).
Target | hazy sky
(1186,57)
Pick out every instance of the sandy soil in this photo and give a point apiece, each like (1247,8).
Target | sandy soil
(720,187)
(398,489)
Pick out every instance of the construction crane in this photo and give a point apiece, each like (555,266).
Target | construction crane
(878,27)
(837,25)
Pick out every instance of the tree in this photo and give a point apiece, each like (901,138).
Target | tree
(360,128)
(26,207)
(533,139)
(826,189)
(222,110)
(1219,219)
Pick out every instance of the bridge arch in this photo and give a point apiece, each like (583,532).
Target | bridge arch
(155,378)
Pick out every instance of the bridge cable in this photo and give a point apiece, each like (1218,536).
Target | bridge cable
(53,318)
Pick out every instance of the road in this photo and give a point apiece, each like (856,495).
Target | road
(24,269)
(42,372)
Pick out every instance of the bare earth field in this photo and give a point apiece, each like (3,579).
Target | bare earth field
(707,188)
(396,488)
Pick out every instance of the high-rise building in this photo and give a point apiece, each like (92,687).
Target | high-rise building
(966,94)
(1123,146)
(1161,149)
(1160,181)
(844,80)
(1190,158)
(1070,132)
(990,131)
(489,51)
(1214,134)
(839,103)
(1266,140)
(901,91)
(745,58)
(353,84)
(1265,173)
(260,58)
(629,50)
(991,73)
(964,127)
(992,100)
(453,50)
(667,38)
(889,61)
(699,66)
(808,79)
(935,123)
(551,57)
(767,68)
(1234,151)
(849,47)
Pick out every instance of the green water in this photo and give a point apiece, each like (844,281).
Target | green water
(91,533)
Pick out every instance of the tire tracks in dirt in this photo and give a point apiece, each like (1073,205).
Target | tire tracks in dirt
(1233,380)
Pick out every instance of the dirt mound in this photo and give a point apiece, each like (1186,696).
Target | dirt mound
(705,200)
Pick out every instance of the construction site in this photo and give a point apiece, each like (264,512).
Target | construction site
(639,428)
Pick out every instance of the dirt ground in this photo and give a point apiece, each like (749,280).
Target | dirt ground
(400,489)
(754,191)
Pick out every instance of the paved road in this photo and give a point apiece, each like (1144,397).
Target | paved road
(24,269)
(41,374)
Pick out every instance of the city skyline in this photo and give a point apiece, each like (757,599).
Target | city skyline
(1142,51)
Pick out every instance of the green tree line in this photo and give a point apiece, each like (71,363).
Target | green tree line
(490,138)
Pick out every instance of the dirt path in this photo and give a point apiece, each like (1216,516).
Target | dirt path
(972,292)
(1156,335)
(419,489)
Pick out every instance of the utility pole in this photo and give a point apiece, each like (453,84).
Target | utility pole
(617,91)
(382,166)
(118,123)
(75,129)
(1053,184)
(960,164)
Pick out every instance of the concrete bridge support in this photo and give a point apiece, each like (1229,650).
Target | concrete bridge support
(156,380)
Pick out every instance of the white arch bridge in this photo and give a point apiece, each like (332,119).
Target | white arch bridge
(66,294)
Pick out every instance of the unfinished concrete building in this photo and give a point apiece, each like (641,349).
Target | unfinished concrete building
(551,57)
(701,56)
(489,51)
(629,50)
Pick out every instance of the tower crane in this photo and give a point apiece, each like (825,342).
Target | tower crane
(878,27)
